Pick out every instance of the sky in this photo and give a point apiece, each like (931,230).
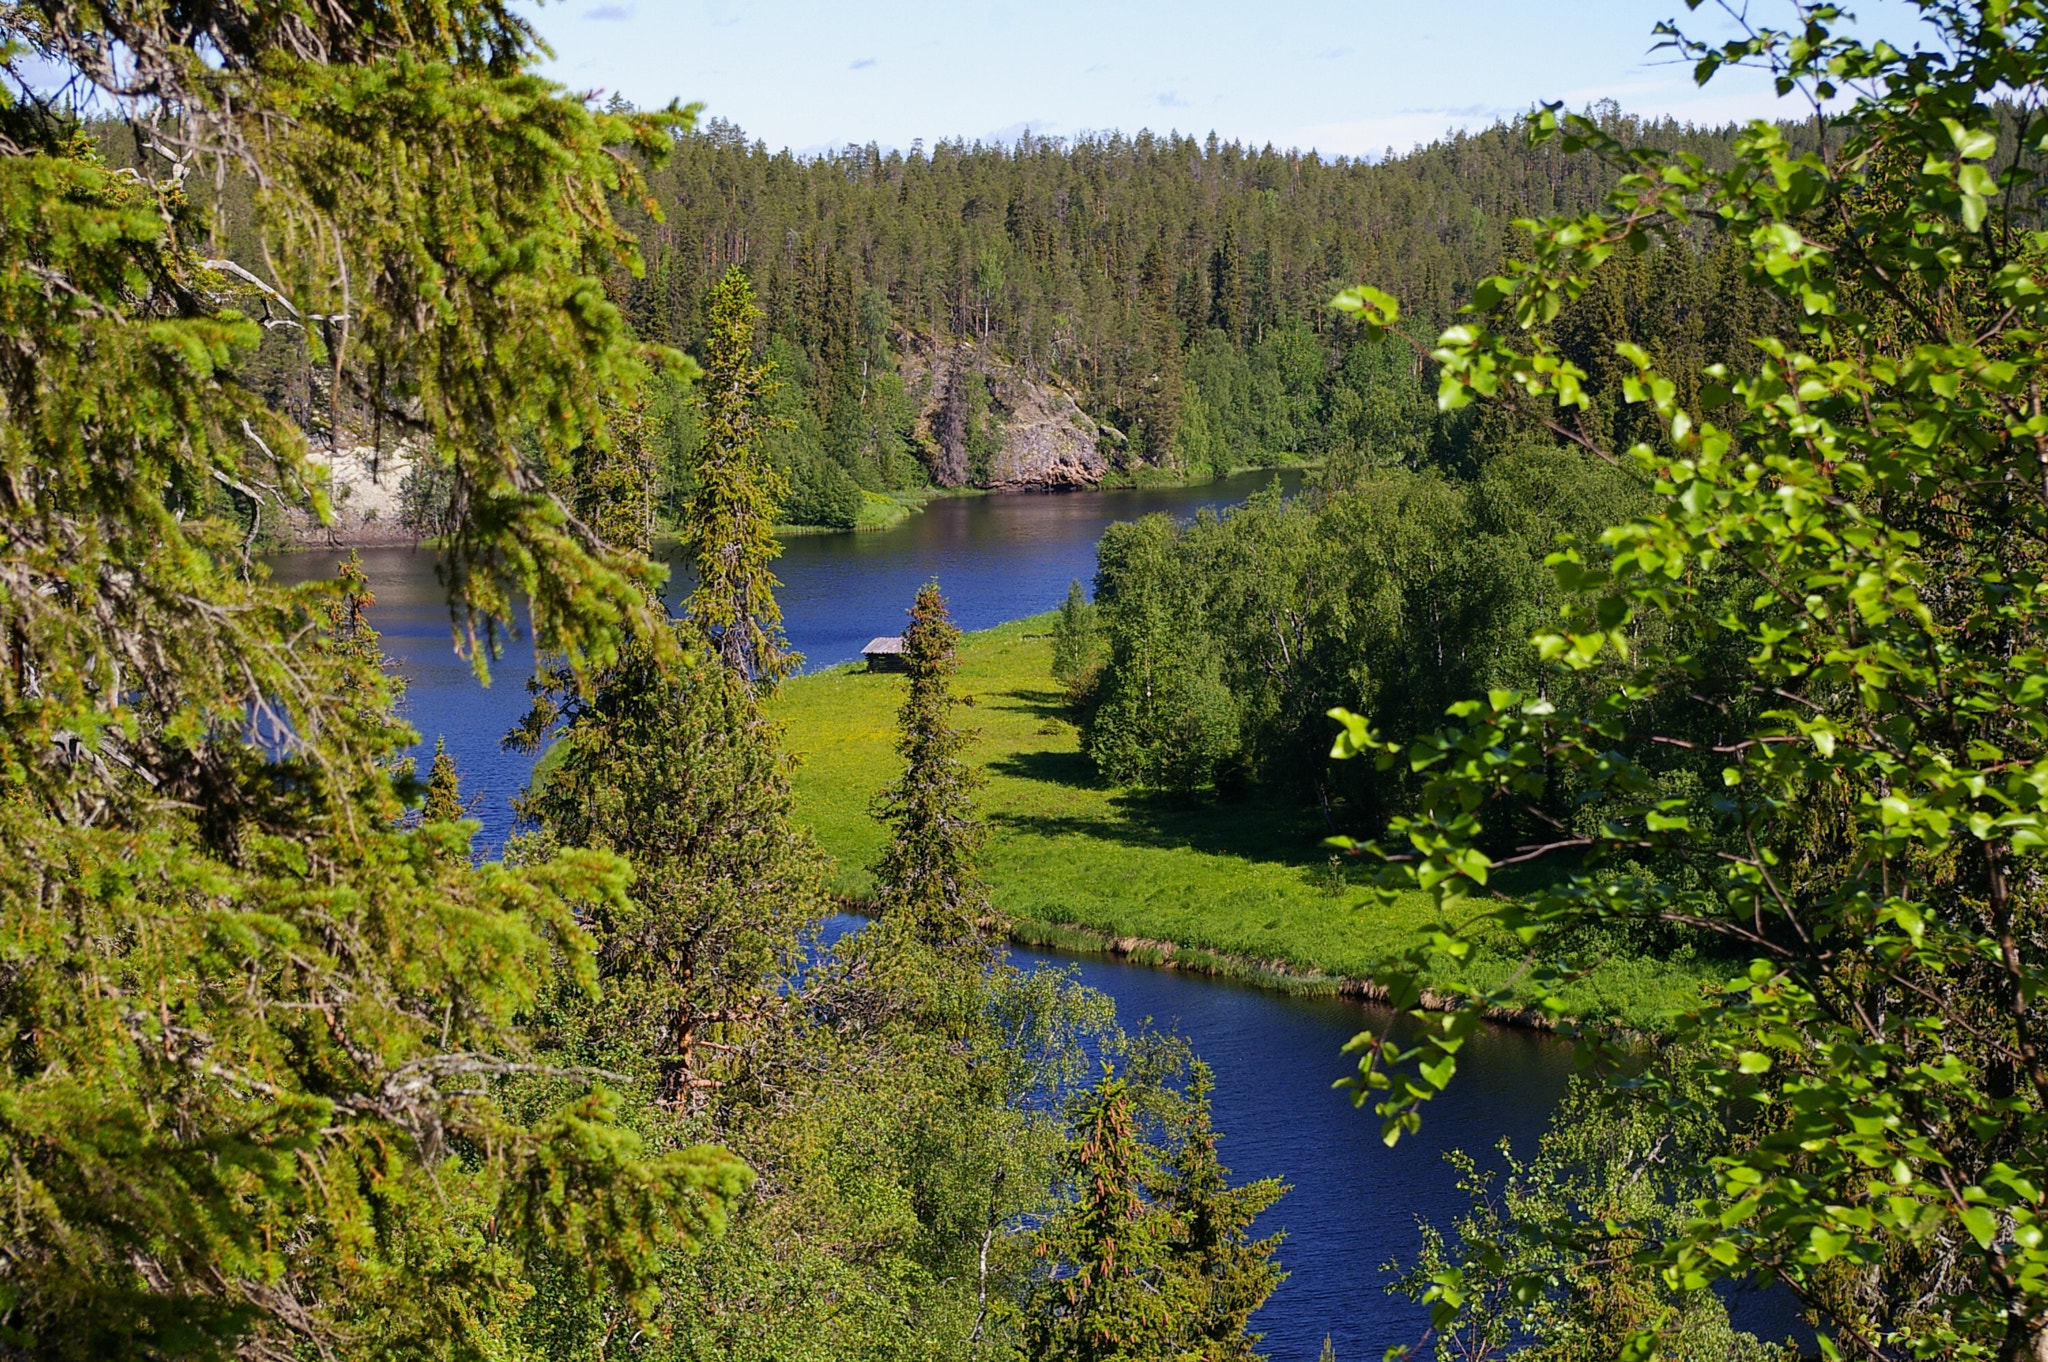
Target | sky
(1355,79)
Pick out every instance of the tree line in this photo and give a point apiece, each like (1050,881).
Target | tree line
(1409,572)
(1177,286)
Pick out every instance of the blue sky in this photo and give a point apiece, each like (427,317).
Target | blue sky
(1345,78)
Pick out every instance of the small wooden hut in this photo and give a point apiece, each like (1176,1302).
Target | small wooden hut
(884,654)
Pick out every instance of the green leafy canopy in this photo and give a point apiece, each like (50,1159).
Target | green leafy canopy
(1858,515)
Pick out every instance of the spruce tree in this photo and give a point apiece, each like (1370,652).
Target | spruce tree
(729,530)
(926,877)
(666,759)
(615,481)
(444,789)
(1224,1275)
(1152,1259)
(674,766)
(678,771)
(371,687)
(258,1024)
(1100,1299)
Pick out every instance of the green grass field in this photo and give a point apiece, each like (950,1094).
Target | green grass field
(1242,879)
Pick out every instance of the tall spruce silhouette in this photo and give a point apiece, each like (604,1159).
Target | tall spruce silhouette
(927,875)
(729,530)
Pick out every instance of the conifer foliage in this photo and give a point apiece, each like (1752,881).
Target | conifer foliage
(729,530)
(1226,1274)
(1176,285)
(1105,1304)
(926,876)
(677,770)
(444,788)
(257,1022)
(1153,1258)
(670,763)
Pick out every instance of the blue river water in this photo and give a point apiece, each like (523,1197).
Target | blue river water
(999,558)
(1354,1203)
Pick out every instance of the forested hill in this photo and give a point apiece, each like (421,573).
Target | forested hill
(1176,286)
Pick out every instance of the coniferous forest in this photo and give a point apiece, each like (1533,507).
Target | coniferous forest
(1177,287)
(1669,578)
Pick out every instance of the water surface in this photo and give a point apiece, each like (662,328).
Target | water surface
(1354,1203)
(998,557)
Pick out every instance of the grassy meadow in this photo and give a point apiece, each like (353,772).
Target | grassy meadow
(1239,880)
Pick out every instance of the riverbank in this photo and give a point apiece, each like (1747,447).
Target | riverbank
(1143,476)
(886,510)
(878,511)
(1241,890)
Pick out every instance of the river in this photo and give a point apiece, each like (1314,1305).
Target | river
(999,558)
(1354,1202)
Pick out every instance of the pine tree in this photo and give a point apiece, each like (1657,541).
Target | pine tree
(926,877)
(729,530)
(444,789)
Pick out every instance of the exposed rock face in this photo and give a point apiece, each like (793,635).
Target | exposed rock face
(975,407)
(366,490)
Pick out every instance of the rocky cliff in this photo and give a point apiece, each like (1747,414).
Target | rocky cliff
(367,492)
(983,420)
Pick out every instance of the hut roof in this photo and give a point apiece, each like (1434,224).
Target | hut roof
(883,647)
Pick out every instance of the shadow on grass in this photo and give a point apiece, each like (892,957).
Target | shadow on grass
(1251,830)
(1278,836)
(1071,769)
(1039,704)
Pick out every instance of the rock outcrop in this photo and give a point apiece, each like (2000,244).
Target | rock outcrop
(983,420)
(366,488)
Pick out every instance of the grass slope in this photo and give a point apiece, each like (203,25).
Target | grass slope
(878,511)
(1241,879)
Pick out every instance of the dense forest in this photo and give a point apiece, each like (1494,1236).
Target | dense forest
(1409,574)
(292,1071)
(1177,287)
